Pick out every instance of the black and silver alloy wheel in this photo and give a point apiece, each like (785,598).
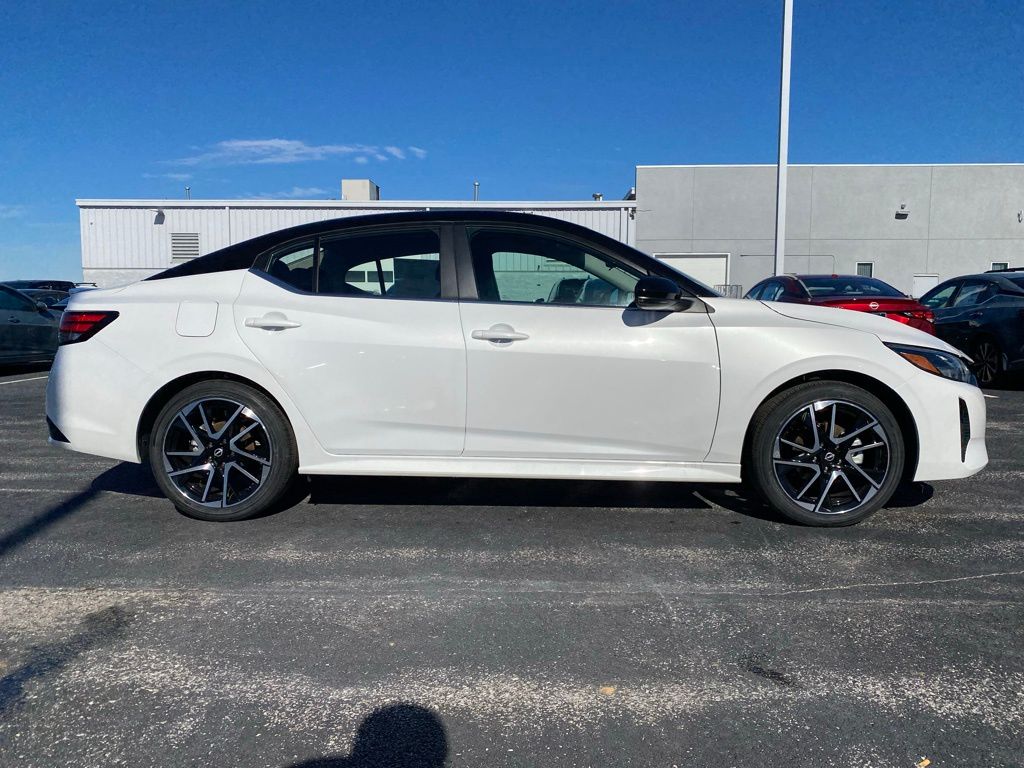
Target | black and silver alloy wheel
(831,457)
(989,361)
(221,450)
(217,452)
(825,453)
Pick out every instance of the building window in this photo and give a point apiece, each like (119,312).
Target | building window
(866,268)
(1000,266)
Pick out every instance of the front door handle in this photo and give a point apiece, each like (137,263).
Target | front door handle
(13,320)
(272,321)
(501,333)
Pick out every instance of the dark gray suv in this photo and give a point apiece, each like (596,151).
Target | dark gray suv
(984,316)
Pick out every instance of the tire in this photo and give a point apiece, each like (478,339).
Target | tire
(988,359)
(825,484)
(222,451)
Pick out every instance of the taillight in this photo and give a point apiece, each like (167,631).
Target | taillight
(920,314)
(79,326)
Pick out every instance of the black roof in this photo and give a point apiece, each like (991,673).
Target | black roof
(243,255)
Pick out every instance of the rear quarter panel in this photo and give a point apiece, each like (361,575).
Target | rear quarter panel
(165,332)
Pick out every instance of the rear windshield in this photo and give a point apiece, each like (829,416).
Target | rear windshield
(820,287)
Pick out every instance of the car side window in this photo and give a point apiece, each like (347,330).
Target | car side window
(538,268)
(755,292)
(12,302)
(939,297)
(772,291)
(294,265)
(402,265)
(972,294)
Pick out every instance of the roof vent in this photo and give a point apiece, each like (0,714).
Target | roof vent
(184,246)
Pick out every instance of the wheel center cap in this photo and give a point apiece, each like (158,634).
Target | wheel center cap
(829,456)
(218,452)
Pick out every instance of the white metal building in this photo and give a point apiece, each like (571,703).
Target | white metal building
(128,240)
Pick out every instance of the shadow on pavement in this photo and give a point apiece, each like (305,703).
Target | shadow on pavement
(39,523)
(395,736)
(99,628)
(503,492)
(1008,382)
(135,480)
(132,479)
(14,370)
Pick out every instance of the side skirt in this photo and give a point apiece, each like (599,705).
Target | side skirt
(565,469)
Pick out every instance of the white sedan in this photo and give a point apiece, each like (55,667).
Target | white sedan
(484,344)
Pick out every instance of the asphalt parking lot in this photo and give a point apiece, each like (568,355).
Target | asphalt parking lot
(407,622)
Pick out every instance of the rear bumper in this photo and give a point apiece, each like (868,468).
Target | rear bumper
(950,419)
(94,399)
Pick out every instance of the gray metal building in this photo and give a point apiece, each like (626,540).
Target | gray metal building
(910,225)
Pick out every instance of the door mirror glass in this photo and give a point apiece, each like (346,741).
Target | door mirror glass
(659,294)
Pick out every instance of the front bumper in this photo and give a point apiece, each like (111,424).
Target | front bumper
(950,419)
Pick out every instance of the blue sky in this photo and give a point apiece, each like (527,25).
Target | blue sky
(551,100)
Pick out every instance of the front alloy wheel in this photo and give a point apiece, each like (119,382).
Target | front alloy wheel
(825,453)
(831,456)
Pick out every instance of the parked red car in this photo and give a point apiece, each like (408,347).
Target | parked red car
(863,294)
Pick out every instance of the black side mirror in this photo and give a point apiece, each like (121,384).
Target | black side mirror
(659,294)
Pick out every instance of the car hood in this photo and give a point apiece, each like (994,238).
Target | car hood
(882,327)
(750,311)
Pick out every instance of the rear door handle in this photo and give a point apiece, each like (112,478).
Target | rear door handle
(13,320)
(500,333)
(271,322)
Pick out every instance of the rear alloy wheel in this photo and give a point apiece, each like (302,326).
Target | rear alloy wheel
(222,451)
(989,361)
(826,453)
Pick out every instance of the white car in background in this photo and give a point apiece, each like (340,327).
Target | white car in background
(437,343)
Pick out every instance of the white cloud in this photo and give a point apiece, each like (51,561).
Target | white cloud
(420,153)
(303,192)
(362,160)
(12,211)
(295,193)
(280,151)
(171,176)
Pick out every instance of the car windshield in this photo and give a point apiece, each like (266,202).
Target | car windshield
(1017,280)
(853,286)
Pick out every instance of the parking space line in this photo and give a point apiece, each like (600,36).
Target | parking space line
(20,381)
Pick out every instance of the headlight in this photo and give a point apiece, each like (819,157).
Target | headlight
(944,364)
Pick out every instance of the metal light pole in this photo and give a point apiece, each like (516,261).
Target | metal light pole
(780,191)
